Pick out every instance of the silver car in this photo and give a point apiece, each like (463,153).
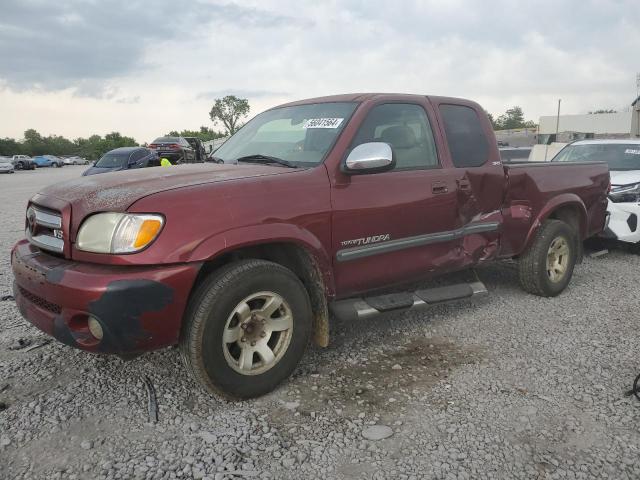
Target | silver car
(6,166)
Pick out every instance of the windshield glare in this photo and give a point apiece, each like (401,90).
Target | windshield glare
(113,160)
(619,156)
(301,135)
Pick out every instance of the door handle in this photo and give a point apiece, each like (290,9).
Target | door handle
(464,185)
(439,187)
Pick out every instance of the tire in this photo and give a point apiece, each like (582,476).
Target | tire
(19,166)
(541,274)
(217,306)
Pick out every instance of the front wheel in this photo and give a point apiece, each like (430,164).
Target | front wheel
(246,328)
(546,267)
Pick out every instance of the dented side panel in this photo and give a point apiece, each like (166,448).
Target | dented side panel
(537,191)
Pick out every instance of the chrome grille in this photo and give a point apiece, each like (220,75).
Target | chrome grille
(44,229)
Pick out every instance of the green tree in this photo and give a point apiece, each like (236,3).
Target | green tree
(204,134)
(10,147)
(511,119)
(34,143)
(491,119)
(91,148)
(229,111)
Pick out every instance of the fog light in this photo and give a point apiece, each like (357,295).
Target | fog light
(95,328)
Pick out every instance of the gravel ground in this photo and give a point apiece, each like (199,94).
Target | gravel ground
(510,386)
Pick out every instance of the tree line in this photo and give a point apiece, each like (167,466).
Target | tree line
(512,119)
(228,111)
(91,148)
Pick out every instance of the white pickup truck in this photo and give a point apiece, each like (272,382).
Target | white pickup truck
(23,162)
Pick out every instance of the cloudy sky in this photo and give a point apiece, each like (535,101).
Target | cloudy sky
(79,67)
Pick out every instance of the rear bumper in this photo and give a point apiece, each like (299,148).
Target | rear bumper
(138,308)
(172,155)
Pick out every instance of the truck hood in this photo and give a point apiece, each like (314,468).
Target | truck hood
(116,191)
(624,177)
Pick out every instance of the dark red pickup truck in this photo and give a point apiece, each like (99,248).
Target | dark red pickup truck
(319,205)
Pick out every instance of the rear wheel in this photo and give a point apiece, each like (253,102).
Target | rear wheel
(246,328)
(545,269)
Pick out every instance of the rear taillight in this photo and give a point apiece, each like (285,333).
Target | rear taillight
(174,146)
(153,145)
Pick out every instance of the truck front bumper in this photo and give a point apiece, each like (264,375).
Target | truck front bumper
(138,308)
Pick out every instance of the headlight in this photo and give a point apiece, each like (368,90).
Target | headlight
(118,232)
(625,193)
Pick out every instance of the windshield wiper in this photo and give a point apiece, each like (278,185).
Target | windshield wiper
(259,158)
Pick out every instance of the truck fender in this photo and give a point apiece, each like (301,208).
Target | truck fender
(318,278)
(556,203)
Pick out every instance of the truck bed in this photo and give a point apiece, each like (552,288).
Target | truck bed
(532,188)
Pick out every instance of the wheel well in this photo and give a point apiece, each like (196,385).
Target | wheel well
(572,216)
(297,259)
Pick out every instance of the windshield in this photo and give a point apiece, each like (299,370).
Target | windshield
(619,156)
(301,135)
(113,160)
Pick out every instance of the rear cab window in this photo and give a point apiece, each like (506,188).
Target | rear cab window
(466,139)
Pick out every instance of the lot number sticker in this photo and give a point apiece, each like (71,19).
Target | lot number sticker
(632,151)
(323,123)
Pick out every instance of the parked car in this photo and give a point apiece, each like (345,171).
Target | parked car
(6,165)
(75,160)
(623,158)
(198,147)
(48,161)
(124,158)
(508,154)
(175,149)
(319,205)
(23,162)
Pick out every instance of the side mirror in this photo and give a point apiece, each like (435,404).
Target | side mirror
(372,157)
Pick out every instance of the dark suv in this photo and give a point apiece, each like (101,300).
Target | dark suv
(174,149)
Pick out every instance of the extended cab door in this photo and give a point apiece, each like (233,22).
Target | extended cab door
(397,225)
(478,174)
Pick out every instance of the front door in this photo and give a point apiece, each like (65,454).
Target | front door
(398,225)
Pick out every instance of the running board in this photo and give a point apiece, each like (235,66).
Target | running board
(368,307)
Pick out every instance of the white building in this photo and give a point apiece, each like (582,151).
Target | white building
(212,145)
(596,125)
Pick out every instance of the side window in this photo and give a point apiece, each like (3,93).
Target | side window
(466,139)
(406,128)
(137,155)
